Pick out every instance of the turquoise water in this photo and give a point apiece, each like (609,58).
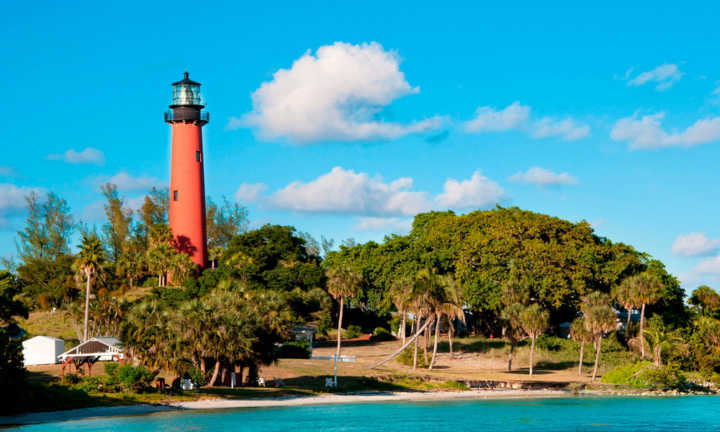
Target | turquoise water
(696,413)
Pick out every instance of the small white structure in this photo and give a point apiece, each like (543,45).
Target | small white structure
(101,348)
(42,350)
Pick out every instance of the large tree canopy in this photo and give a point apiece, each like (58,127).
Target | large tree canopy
(560,261)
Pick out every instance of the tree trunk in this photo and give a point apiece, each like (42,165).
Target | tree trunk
(450,335)
(597,357)
(512,347)
(399,350)
(582,352)
(159,280)
(340,317)
(212,265)
(402,327)
(87,306)
(658,355)
(437,331)
(417,328)
(215,373)
(627,326)
(641,335)
(252,377)
(532,354)
(426,338)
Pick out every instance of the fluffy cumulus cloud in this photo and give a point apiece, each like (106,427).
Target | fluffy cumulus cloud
(663,76)
(517,117)
(394,224)
(334,94)
(345,191)
(710,266)
(695,244)
(567,129)
(488,119)
(129,183)
(12,201)
(87,156)
(646,132)
(543,177)
(381,204)
(250,192)
(478,191)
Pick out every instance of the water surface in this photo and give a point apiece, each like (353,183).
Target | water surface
(692,413)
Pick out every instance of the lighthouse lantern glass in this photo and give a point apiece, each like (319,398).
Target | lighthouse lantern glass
(186,94)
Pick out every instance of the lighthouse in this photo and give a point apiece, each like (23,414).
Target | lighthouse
(187,180)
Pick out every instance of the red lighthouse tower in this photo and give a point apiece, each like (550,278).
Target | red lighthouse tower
(187,179)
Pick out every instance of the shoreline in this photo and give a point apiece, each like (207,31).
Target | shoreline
(291,401)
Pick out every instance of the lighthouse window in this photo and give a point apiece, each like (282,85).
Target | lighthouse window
(197,156)
(175,194)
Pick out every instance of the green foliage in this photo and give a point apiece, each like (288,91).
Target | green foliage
(224,221)
(382,334)
(10,306)
(197,376)
(294,349)
(705,344)
(353,331)
(12,371)
(406,357)
(644,374)
(706,300)
(273,257)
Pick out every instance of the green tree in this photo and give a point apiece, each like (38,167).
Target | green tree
(401,295)
(661,338)
(624,294)
(89,263)
(119,221)
(224,221)
(10,306)
(580,334)
(44,251)
(706,299)
(534,320)
(600,319)
(342,283)
(647,289)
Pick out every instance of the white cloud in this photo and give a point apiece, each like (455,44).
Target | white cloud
(664,75)
(488,119)
(87,156)
(129,183)
(647,132)
(478,191)
(710,266)
(543,177)
(567,129)
(248,192)
(517,117)
(394,224)
(345,191)
(694,244)
(12,201)
(333,95)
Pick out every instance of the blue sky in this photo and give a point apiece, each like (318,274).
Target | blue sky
(345,119)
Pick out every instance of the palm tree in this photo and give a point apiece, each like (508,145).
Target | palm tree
(446,303)
(534,320)
(599,320)
(511,316)
(661,338)
(579,333)
(401,295)
(342,283)
(89,262)
(624,294)
(647,289)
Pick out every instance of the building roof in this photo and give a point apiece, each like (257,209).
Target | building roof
(186,80)
(95,347)
(43,337)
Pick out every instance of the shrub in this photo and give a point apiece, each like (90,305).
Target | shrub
(353,331)
(294,349)
(90,384)
(406,357)
(554,343)
(644,374)
(128,377)
(71,378)
(382,334)
(198,377)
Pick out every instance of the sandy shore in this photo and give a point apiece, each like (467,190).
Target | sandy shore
(207,404)
(365,397)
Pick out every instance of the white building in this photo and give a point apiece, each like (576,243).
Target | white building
(42,350)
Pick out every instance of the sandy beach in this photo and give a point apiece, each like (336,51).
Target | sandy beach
(209,404)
